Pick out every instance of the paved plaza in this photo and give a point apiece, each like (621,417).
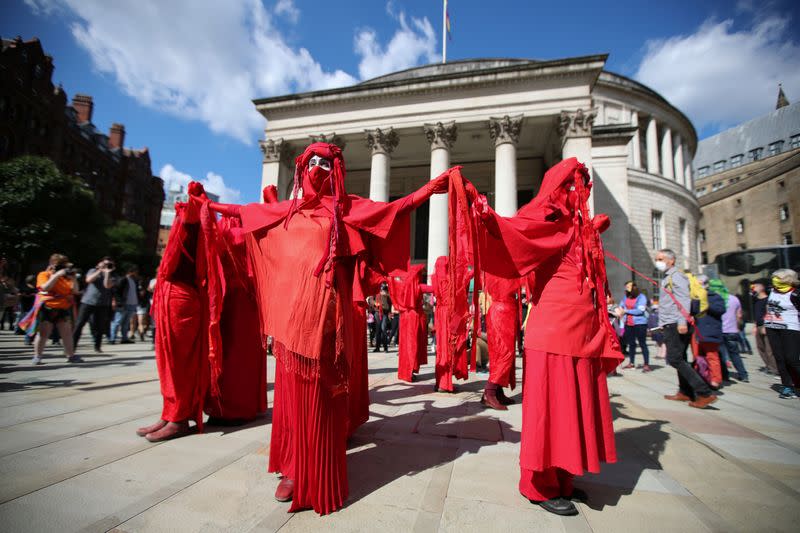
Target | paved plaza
(70,460)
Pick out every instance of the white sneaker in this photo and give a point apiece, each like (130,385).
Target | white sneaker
(776,378)
(36,360)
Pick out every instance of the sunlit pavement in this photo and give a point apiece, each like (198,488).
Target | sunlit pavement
(425,461)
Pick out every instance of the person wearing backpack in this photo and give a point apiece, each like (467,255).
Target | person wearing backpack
(708,331)
(674,320)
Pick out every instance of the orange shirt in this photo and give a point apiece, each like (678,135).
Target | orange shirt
(59,296)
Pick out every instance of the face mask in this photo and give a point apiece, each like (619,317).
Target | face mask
(661,266)
(779,285)
(317,175)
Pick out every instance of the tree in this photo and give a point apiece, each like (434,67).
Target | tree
(43,211)
(126,242)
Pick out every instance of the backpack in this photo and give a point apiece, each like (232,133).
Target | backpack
(697,294)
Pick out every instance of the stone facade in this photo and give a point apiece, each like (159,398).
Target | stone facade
(758,206)
(505,121)
(35,119)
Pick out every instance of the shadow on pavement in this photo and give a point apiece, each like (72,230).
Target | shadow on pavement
(639,449)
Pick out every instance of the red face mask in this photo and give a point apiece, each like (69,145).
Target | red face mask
(318,176)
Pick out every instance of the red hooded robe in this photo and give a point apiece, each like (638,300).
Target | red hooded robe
(315,258)
(406,291)
(569,344)
(502,328)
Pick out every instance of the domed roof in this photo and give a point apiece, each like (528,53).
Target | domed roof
(452,67)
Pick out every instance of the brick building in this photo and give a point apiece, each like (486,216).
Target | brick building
(35,119)
(748,184)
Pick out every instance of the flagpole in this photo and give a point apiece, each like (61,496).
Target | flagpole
(444,32)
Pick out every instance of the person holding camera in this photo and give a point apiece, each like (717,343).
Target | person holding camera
(57,287)
(95,305)
(126,300)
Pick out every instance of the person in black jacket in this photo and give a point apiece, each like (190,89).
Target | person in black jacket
(760,297)
(126,299)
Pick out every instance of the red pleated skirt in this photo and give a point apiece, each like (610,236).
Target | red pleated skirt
(182,369)
(309,438)
(243,384)
(566,415)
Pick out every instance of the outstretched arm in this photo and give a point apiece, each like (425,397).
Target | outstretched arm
(198,194)
(437,185)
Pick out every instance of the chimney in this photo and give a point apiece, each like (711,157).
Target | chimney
(82,103)
(116,138)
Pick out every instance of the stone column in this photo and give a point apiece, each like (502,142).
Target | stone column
(271,166)
(636,146)
(652,146)
(382,143)
(678,161)
(687,173)
(441,138)
(505,134)
(575,129)
(666,155)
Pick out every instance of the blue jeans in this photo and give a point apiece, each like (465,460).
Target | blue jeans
(122,319)
(729,350)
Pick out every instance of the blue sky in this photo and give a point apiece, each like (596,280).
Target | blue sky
(180,74)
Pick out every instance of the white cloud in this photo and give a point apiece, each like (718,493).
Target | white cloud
(411,45)
(287,9)
(197,59)
(213,183)
(206,60)
(720,76)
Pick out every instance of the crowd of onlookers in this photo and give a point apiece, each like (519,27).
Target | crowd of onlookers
(57,303)
(698,313)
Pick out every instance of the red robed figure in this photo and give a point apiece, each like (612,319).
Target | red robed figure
(502,328)
(315,258)
(406,290)
(243,380)
(569,343)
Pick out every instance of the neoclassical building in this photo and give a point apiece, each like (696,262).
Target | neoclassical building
(506,121)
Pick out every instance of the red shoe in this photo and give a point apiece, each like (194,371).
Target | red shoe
(490,400)
(151,428)
(703,401)
(677,397)
(629,365)
(285,490)
(646,368)
(172,430)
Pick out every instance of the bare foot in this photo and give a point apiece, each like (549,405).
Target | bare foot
(151,428)
(171,430)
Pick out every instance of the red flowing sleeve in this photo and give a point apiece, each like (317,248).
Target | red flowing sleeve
(512,247)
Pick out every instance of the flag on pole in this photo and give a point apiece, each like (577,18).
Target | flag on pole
(447,23)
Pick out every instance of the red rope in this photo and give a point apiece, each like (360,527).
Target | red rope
(686,315)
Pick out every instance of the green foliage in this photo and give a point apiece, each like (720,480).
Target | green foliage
(43,211)
(125,242)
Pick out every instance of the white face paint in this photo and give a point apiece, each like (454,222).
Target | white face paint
(317,161)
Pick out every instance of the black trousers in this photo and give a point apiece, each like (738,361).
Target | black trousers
(637,332)
(99,319)
(785,344)
(689,382)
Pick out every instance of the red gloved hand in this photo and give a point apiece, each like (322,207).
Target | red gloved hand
(440,183)
(196,189)
(601,222)
(270,194)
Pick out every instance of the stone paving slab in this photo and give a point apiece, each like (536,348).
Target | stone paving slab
(425,461)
